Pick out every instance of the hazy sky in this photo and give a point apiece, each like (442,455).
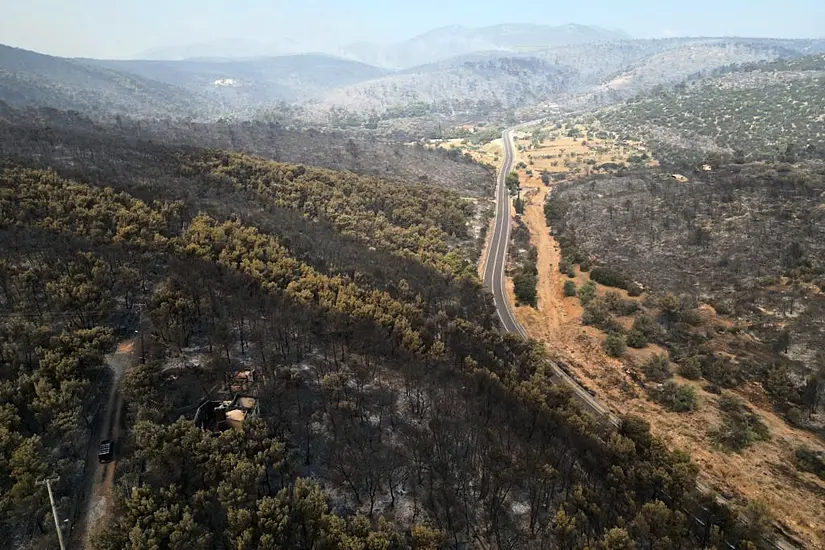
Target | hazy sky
(124,28)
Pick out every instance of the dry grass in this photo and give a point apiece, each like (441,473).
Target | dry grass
(764,471)
(488,153)
(552,150)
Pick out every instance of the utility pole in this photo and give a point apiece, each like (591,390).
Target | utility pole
(142,342)
(139,330)
(48,483)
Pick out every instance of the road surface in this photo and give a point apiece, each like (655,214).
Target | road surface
(497,256)
(495,280)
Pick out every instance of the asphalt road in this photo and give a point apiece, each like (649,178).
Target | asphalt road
(497,257)
(495,280)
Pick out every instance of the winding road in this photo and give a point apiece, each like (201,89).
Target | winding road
(497,256)
(495,280)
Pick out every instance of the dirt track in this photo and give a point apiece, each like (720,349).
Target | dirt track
(98,484)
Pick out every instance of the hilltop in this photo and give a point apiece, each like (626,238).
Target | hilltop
(456,40)
(251,83)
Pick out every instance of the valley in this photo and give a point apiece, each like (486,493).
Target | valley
(503,286)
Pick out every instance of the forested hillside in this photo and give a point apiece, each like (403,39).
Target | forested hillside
(731,265)
(389,159)
(31,79)
(754,111)
(246,84)
(393,414)
(475,81)
(453,85)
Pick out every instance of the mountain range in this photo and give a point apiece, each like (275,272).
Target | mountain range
(447,42)
(509,67)
(435,45)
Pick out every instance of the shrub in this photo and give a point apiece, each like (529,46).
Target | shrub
(608,277)
(597,314)
(634,289)
(614,345)
(690,368)
(569,288)
(671,306)
(740,427)
(585,265)
(524,286)
(691,317)
(587,292)
(647,326)
(657,368)
(722,308)
(675,397)
(636,339)
(722,372)
(619,305)
(810,461)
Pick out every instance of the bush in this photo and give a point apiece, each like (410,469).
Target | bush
(740,427)
(657,368)
(614,345)
(634,289)
(585,265)
(675,397)
(690,368)
(671,306)
(524,286)
(608,277)
(691,317)
(569,288)
(619,305)
(587,292)
(722,308)
(597,314)
(810,461)
(722,372)
(636,339)
(649,327)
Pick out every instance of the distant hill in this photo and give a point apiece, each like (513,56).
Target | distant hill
(447,42)
(759,109)
(512,77)
(28,78)
(576,77)
(252,82)
(493,83)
